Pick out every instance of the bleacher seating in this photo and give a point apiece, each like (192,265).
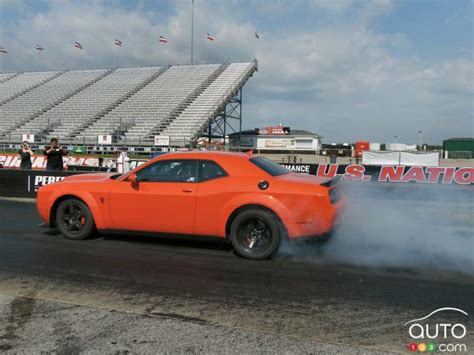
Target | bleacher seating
(198,113)
(150,105)
(132,104)
(45,96)
(75,111)
(23,82)
(7,76)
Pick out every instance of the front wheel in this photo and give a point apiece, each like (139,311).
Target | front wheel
(255,234)
(74,219)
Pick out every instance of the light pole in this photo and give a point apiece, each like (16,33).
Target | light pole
(419,136)
(395,138)
(192,31)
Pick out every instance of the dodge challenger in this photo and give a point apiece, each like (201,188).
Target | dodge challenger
(249,200)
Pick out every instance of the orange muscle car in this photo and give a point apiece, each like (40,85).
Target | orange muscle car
(251,201)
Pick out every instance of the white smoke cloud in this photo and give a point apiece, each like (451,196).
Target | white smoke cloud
(422,230)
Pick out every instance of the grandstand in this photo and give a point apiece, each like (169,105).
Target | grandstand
(133,105)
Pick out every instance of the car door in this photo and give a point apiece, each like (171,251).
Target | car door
(215,189)
(164,200)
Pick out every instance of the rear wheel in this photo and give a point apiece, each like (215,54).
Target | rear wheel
(255,234)
(74,219)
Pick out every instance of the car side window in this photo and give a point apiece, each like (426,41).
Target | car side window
(169,171)
(210,170)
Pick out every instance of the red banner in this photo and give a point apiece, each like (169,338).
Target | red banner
(12,161)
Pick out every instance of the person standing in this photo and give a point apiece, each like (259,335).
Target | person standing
(25,154)
(54,155)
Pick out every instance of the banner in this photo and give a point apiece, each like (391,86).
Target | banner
(25,183)
(355,172)
(419,159)
(380,158)
(389,173)
(278,130)
(12,161)
(401,158)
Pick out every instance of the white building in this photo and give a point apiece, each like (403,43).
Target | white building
(277,140)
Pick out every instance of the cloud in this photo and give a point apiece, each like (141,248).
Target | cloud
(338,77)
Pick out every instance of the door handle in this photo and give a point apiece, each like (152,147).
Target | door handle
(187,190)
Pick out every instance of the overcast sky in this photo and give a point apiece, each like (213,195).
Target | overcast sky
(345,69)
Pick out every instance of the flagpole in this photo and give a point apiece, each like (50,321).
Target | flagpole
(192,31)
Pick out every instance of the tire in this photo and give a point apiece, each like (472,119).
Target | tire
(256,234)
(74,219)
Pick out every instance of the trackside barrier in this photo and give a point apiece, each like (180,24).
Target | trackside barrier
(24,183)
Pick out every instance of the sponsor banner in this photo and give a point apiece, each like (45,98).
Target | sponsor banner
(12,161)
(35,181)
(278,130)
(25,183)
(389,173)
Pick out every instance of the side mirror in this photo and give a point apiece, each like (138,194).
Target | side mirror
(133,180)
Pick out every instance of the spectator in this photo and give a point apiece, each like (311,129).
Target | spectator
(54,155)
(25,154)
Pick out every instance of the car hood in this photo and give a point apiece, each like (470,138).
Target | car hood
(97,177)
(302,178)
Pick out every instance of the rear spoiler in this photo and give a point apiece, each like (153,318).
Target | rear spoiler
(331,182)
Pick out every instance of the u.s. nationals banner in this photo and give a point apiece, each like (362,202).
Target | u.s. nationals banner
(389,173)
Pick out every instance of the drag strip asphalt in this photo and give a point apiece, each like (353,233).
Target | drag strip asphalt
(203,282)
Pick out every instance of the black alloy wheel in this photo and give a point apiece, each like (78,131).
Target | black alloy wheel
(74,219)
(255,234)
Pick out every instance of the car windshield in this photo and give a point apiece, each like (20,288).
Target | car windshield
(269,166)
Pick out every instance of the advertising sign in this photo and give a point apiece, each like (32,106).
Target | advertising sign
(278,130)
(389,173)
(275,143)
(30,138)
(162,141)
(105,139)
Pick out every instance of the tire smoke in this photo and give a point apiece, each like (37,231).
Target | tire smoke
(427,227)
